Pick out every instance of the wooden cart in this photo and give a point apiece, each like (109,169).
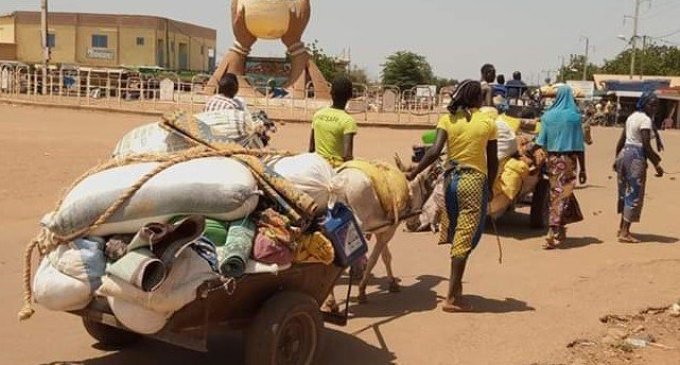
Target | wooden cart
(279,314)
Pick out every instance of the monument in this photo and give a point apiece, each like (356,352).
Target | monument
(272,19)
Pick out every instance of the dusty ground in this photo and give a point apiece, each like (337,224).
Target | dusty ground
(529,308)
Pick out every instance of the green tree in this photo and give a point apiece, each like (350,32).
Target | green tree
(359,75)
(574,70)
(443,82)
(406,70)
(327,64)
(653,60)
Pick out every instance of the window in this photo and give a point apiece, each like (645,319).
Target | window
(51,40)
(100,41)
(202,50)
(172,46)
(140,41)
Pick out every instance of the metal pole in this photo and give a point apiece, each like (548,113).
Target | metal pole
(45,45)
(642,59)
(585,60)
(633,41)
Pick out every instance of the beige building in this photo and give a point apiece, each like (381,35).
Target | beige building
(108,41)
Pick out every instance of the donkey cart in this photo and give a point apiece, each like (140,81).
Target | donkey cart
(279,315)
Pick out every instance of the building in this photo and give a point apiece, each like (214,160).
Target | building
(101,40)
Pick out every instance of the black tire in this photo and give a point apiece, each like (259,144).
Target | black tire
(110,336)
(540,205)
(287,330)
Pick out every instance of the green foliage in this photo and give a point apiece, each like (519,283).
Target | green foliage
(358,75)
(443,82)
(327,64)
(406,70)
(574,71)
(653,60)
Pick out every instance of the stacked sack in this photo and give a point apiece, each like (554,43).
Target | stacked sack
(193,222)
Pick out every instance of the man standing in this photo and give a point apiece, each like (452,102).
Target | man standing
(488,78)
(333,129)
(516,87)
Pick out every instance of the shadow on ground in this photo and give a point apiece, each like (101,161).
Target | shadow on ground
(339,348)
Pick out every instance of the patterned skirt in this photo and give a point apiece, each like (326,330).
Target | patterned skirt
(564,208)
(466,200)
(631,167)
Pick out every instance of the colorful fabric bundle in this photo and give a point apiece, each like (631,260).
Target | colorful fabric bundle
(235,254)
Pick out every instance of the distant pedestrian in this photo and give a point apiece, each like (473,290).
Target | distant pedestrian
(487,79)
(632,153)
(562,138)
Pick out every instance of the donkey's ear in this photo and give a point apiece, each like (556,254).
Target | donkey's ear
(400,163)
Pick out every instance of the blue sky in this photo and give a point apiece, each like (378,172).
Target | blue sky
(457,36)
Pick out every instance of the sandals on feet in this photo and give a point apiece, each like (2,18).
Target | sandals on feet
(628,239)
(457,308)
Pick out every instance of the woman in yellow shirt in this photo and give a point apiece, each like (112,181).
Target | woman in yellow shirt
(470,137)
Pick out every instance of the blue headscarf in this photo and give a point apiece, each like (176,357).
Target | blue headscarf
(647,97)
(561,129)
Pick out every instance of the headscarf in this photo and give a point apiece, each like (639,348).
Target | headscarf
(647,97)
(561,129)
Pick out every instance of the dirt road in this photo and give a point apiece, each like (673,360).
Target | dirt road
(529,308)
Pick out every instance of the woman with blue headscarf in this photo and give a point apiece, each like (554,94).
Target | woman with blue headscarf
(632,152)
(562,138)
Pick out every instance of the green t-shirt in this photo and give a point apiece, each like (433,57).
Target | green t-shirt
(330,127)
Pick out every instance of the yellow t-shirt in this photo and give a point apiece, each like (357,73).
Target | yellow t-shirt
(330,126)
(467,140)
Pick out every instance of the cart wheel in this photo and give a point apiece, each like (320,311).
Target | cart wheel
(110,336)
(286,331)
(540,205)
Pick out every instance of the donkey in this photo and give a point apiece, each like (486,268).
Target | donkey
(359,195)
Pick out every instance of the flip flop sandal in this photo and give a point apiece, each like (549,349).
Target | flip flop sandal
(629,239)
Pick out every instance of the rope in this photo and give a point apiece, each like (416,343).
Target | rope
(46,241)
(498,241)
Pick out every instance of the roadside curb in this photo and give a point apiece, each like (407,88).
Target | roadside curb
(96,108)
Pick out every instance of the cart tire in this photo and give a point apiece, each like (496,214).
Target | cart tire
(540,205)
(287,330)
(110,336)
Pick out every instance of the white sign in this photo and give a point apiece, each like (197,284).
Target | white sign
(211,52)
(167,90)
(583,89)
(426,91)
(101,54)
(4,79)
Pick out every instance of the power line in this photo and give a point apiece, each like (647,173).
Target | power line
(668,35)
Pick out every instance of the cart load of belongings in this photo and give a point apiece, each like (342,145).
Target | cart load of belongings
(146,230)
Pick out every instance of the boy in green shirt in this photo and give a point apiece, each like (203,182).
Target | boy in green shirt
(333,130)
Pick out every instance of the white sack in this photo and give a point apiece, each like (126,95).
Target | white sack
(312,175)
(59,292)
(150,138)
(218,188)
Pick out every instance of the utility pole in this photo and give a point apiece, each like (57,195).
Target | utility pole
(634,39)
(585,59)
(644,53)
(45,44)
